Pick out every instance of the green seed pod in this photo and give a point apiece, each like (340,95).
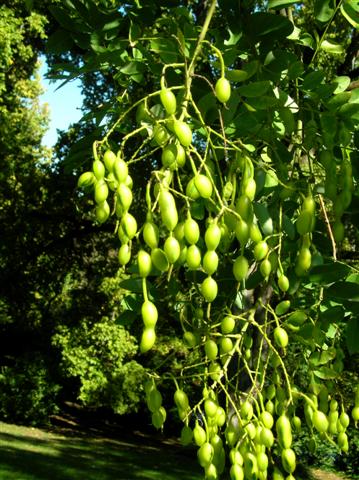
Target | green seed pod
(288,460)
(124,254)
(223,90)
(101,192)
(282,307)
(129,225)
(227,325)
(120,170)
(320,421)
(168,100)
(159,259)
(148,339)
(203,185)
(209,289)
(205,454)
(211,349)
(283,283)
(280,337)
(98,169)
(212,237)
(144,263)
(210,262)
(109,159)
(183,133)
(186,435)
(149,314)
(181,399)
(284,431)
(240,268)
(168,209)
(193,257)
(102,212)
(160,135)
(125,196)
(265,268)
(151,234)
(191,231)
(242,232)
(172,249)
(86,179)
(260,250)
(199,435)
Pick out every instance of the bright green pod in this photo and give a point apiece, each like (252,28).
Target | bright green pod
(101,192)
(210,262)
(109,159)
(284,431)
(144,263)
(149,314)
(172,249)
(223,90)
(124,254)
(240,268)
(150,234)
(148,339)
(129,225)
(98,169)
(209,289)
(86,179)
(191,231)
(203,185)
(120,169)
(183,133)
(159,259)
(212,237)
(282,307)
(102,212)
(168,100)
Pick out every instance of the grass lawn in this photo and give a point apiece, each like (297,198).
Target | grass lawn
(34,454)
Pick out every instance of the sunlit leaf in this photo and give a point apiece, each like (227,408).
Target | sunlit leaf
(350,10)
(332,47)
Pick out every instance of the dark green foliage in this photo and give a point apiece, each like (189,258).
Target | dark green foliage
(28,393)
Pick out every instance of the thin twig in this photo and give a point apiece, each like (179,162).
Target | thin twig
(322,206)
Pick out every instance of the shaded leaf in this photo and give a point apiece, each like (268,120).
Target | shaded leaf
(352,335)
(344,291)
(312,80)
(272,4)
(132,285)
(166,48)
(261,26)
(332,314)
(328,273)
(264,219)
(324,10)
(255,89)
(59,42)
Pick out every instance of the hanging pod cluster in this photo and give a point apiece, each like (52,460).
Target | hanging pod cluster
(229,223)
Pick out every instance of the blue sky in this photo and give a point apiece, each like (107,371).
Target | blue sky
(64,104)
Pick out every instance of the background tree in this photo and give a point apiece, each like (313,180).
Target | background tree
(52,269)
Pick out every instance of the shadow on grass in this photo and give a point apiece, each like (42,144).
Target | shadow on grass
(25,457)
